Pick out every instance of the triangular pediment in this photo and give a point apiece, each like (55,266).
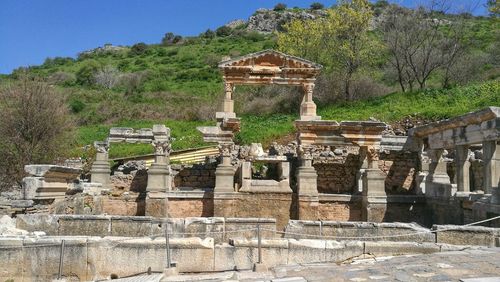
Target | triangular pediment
(269,59)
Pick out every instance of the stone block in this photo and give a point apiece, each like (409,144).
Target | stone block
(247,228)
(38,222)
(205,227)
(306,251)
(89,225)
(245,252)
(386,248)
(131,226)
(466,235)
(11,259)
(105,254)
(336,251)
(42,263)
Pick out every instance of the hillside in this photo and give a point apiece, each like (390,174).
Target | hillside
(177,83)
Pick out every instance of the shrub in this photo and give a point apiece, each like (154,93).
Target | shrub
(139,48)
(85,74)
(62,78)
(35,126)
(223,31)
(279,7)
(317,6)
(107,77)
(170,39)
(209,34)
(76,106)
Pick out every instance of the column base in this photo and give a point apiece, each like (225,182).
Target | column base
(438,186)
(308,207)
(307,181)
(374,203)
(158,178)
(224,179)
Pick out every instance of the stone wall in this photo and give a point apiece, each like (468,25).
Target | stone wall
(194,176)
(278,206)
(400,168)
(342,209)
(95,258)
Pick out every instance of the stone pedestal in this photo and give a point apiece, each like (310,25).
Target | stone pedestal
(100,171)
(374,196)
(307,181)
(224,173)
(437,181)
(224,178)
(308,107)
(159,179)
(156,204)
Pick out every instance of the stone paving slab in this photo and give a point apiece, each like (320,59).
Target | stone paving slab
(467,265)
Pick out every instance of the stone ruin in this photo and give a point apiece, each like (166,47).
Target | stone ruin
(446,172)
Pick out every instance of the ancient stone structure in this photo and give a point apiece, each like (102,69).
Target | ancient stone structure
(48,181)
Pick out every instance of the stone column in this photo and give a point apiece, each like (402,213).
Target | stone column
(100,171)
(307,185)
(437,182)
(374,196)
(361,172)
(228,104)
(491,160)
(308,107)
(421,178)
(462,168)
(159,172)
(224,174)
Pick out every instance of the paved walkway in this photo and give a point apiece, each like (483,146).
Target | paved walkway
(445,266)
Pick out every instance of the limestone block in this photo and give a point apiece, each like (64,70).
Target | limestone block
(466,235)
(89,225)
(306,251)
(53,171)
(105,254)
(131,226)
(308,227)
(176,227)
(398,229)
(11,259)
(385,248)
(245,252)
(204,227)
(42,263)
(336,251)
(234,228)
(38,222)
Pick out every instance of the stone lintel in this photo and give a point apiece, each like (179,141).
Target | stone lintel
(466,135)
(460,121)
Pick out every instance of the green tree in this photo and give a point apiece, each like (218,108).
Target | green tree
(223,31)
(85,74)
(317,6)
(279,7)
(340,41)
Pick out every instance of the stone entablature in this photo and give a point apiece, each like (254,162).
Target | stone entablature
(48,181)
(459,134)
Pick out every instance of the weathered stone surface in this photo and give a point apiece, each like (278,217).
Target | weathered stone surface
(38,222)
(466,235)
(382,248)
(85,225)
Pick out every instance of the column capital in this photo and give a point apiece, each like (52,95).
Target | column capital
(226,148)
(101,146)
(162,147)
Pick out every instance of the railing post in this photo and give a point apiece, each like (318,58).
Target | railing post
(61,259)
(259,243)
(167,243)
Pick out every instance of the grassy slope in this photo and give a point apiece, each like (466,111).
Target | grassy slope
(429,104)
(187,74)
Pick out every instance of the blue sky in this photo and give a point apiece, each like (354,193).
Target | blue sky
(32,30)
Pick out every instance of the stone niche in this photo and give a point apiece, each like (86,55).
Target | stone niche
(272,177)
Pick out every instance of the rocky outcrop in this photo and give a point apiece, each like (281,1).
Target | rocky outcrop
(267,21)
